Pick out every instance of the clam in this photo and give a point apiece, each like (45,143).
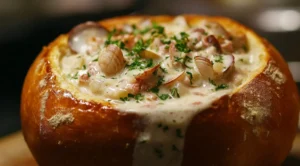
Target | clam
(111,60)
(215,28)
(212,41)
(223,68)
(228,61)
(177,78)
(148,54)
(204,66)
(146,80)
(146,74)
(81,36)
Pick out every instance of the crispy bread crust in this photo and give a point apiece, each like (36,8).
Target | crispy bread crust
(254,126)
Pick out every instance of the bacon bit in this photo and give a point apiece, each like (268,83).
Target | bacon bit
(197,103)
(212,41)
(84,79)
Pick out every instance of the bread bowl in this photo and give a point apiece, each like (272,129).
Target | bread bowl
(159,90)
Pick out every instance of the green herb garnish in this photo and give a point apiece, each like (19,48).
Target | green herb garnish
(218,87)
(190,76)
(75,76)
(181,44)
(164,70)
(221,86)
(219,59)
(166,41)
(138,97)
(140,64)
(124,99)
(174,93)
(163,96)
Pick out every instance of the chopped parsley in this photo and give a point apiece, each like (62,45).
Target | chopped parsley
(178,59)
(163,96)
(157,29)
(187,59)
(164,70)
(75,76)
(219,59)
(221,86)
(119,43)
(124,99)
(154,29)
(166,41)
(95,60)
(89,75)
(212,82)
(156,88)
(174,93)
(181,44)
(190,76)
(138,97)
(109,36)
(140,64)
(83,67)
(218,87)
(139,46)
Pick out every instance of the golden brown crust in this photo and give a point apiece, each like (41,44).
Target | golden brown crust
(254,126)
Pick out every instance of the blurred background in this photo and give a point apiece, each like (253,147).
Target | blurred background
(28,25)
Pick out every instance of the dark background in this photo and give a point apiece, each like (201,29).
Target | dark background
(27,25)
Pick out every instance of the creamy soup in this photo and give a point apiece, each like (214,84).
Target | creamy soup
(166,72)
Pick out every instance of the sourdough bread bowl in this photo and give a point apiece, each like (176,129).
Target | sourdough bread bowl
(159,90)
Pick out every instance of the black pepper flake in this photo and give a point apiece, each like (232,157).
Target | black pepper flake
(179,133)
(159,153)
(165,128)
(174,148)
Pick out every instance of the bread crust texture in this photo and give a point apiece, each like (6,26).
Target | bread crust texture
(255,125)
